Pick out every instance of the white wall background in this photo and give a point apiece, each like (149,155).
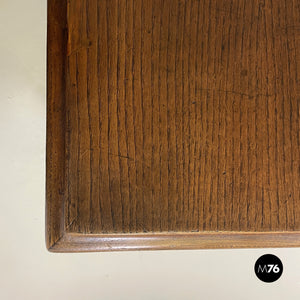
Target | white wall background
(27,270)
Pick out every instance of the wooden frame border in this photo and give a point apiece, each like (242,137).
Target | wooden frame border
(73,242)
(55,147)
(58,239)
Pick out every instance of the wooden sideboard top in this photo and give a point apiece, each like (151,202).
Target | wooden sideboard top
(172,124)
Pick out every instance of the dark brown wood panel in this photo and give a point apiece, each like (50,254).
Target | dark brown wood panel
(171,119)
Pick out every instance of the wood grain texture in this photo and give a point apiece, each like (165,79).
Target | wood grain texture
(173,124)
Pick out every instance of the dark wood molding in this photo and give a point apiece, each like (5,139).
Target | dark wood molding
(56,99)
(72,242)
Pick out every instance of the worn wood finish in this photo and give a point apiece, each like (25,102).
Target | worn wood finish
(173,124)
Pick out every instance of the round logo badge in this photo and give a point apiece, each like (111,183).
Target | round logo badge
(268,268)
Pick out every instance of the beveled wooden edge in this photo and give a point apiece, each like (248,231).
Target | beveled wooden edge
(55,141)
(74,242)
